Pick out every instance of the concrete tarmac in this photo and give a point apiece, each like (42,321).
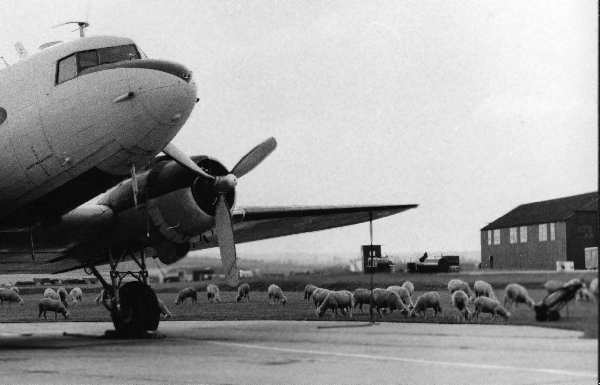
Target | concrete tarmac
(296,352)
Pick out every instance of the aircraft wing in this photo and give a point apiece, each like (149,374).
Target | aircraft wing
(255,223)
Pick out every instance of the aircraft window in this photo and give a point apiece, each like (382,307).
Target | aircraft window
(2,115)
(86,59)
(67,69)
(119,53)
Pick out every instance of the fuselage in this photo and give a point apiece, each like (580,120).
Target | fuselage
(75,118)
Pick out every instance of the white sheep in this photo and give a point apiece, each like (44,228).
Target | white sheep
(9,296)
(515,294)
(164,310)
(460,300)
(387,300)
(308,290)
(49,304)
(491,306)
(361,296)
(275,295)
(318,296)
(404,295)
(342,300)
(409,286)
(243,292)
(212,293)
(186,293)
(51,293)
(76,294)
(484,289)
(459,284)
(428,300)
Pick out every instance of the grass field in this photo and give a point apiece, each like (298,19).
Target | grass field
(582,316)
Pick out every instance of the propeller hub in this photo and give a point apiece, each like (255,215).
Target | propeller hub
(225,183)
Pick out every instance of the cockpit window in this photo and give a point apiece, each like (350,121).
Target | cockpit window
(78,63)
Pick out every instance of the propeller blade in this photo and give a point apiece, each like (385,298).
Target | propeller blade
(224,230)
(254,157)
(181,157)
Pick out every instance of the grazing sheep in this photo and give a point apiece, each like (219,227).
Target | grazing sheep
(77,294)
(15,289)
(491,306)
(515,294)
(9,296)
(212,293)
(404,295)
(185,293)
(460,300)
(430,299)
(49,304)
(552,285)
(319,295)
(243,292)
(361,296)
(410,287)
(484,289)
(276,295)
(164,310)
(343,300)
(459,284)
(387,299)
(308,290)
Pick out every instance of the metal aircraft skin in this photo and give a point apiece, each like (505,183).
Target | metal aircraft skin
(86,119)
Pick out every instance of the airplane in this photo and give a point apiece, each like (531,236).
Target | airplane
(82,184)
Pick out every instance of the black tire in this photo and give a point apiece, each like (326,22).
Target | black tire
(139,311)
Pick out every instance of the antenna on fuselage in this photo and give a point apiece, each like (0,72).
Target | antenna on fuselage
(81,24)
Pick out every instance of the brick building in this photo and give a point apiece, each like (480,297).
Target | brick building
(536,235)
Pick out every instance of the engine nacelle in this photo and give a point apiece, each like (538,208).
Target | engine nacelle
(174,207)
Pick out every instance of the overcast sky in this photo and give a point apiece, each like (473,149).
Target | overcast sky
(467,108)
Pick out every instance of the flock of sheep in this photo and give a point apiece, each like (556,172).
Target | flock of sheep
(469,303)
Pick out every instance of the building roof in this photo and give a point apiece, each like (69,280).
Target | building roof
(554,210)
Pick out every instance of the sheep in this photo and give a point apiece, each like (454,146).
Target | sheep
(484,289)
(276,295)
(58,294)
(15,289)
(185,293)
(361,296)
(49,304)
(51,293)
(488,305)
(318,295)
(335,300)
(552,285)
(404,295)
(430,299)
(164,310)
(458,284)
(460,301)
(76,294)
(9,296)
(387,299)
(308,290)
(515,294)
(243,292)
(212,293)
(410,287)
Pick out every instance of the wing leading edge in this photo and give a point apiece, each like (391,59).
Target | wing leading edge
(256,223)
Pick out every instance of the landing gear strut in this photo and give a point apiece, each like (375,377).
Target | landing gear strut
(133,306)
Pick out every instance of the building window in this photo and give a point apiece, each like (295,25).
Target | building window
(523,234)
(497,237)
(513,235)
(489,237)
(552,232)
(543,234)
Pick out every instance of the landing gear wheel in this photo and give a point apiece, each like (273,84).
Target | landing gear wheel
(139,311)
